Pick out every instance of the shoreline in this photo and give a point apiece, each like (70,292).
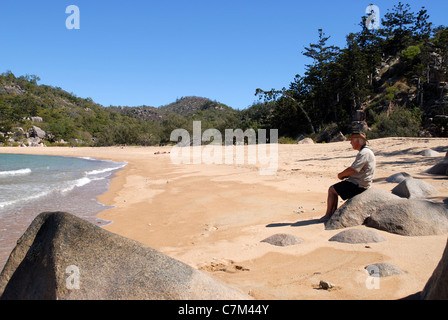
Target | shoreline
(78,199)
(214,217)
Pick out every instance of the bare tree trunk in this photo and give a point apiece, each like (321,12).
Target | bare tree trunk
(304,112)
(274,93)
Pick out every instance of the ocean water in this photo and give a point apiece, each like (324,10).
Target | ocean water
(31,184)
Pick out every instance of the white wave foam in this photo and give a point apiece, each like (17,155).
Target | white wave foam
(86,158)
(20,172)
(95,159)
(6,203)
(82,182)
(76,184)
(62,188)
(95,172)
(33,197)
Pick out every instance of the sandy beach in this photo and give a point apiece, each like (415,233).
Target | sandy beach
(214,217)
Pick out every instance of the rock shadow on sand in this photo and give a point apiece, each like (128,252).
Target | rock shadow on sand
(294,224)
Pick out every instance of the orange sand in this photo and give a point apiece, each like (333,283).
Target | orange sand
(213,217)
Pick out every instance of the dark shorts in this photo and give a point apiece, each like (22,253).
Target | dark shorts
(347,190)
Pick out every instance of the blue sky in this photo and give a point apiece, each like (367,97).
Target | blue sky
(145,52)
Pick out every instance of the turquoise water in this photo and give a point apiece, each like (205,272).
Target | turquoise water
(31,184)
(26,180)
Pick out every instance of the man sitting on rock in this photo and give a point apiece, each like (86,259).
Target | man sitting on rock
(357,178)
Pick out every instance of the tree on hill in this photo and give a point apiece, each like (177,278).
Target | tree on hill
(81,121)
(395,74)
(376,70)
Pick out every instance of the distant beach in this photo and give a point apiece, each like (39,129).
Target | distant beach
(214,217)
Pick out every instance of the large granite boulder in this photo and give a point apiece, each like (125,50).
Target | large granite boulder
(63,257)
(36,132)
(411,218)
(382,210)
(414,189)
(355,211)
(437,286)
(440,168)
(398,177)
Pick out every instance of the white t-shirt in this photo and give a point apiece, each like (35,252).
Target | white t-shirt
(364,166)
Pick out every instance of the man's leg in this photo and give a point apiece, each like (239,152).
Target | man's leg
(332,203)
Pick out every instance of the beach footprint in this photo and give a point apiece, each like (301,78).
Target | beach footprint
(208,229)
(223,265)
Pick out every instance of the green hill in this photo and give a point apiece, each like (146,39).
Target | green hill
(70,120)
(387,82)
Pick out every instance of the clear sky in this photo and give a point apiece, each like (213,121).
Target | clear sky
(146,52)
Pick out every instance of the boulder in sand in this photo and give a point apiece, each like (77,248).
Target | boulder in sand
(414,189)
(64,257)
(355,211)
(430,153)
(283,240)
(357,236)
(383,269)
(398,177)
(440,168)
(306,141)
(411,218)
(384,211)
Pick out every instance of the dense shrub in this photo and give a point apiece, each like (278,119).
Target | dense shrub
(400,123)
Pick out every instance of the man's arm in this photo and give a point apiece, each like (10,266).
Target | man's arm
(346,173)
